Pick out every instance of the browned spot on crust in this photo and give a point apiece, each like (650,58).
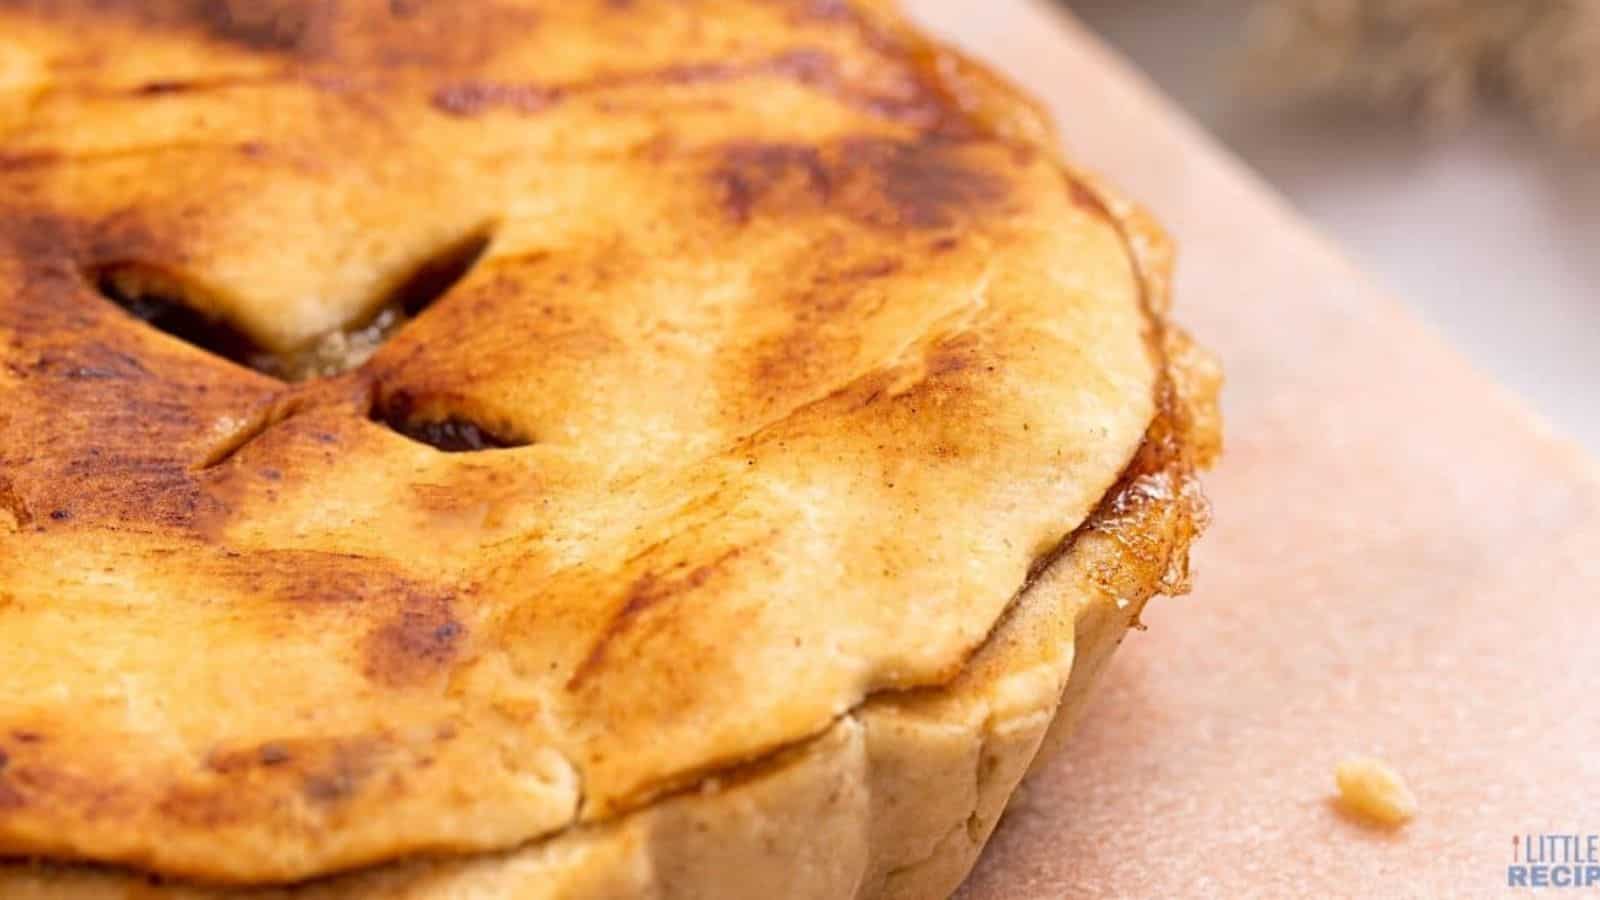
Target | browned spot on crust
(10,798)
(227,762)
(157,88)
(922,185)
(908,101)
(751,171)
(820,10)
(816,342)
(280,25)
(877,268)
(335,773)
(1086,199)
(404,629)
(927,184)
(173,87)
(11,161)
(13,504)
(420,640)
(954,355)
(308,756)
(31,783)
(399,32)
(339,781)
(201,805)
(236,783)
(229,787)
(647,591)
(53,252)
(934,74)
(470,98)
(92,360)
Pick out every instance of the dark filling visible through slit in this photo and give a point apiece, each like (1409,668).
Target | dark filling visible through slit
(145,296)
(156,297)
(343,350)
(451,434)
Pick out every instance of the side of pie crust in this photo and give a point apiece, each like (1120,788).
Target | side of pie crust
(589,704)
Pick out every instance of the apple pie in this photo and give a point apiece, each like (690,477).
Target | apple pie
(617,448)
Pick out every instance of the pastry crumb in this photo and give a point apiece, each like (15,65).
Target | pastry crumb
(1373,790)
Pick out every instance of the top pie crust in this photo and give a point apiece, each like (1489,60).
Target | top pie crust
(810,347)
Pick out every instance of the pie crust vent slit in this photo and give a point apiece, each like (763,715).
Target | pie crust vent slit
(450,433)
(159,299)
(251,429)
(350,347)
(438,274)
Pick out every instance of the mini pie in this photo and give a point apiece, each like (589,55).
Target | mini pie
(554,449)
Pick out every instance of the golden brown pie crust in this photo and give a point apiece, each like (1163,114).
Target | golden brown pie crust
(791,353)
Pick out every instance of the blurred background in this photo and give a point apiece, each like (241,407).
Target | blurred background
(1457,165)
